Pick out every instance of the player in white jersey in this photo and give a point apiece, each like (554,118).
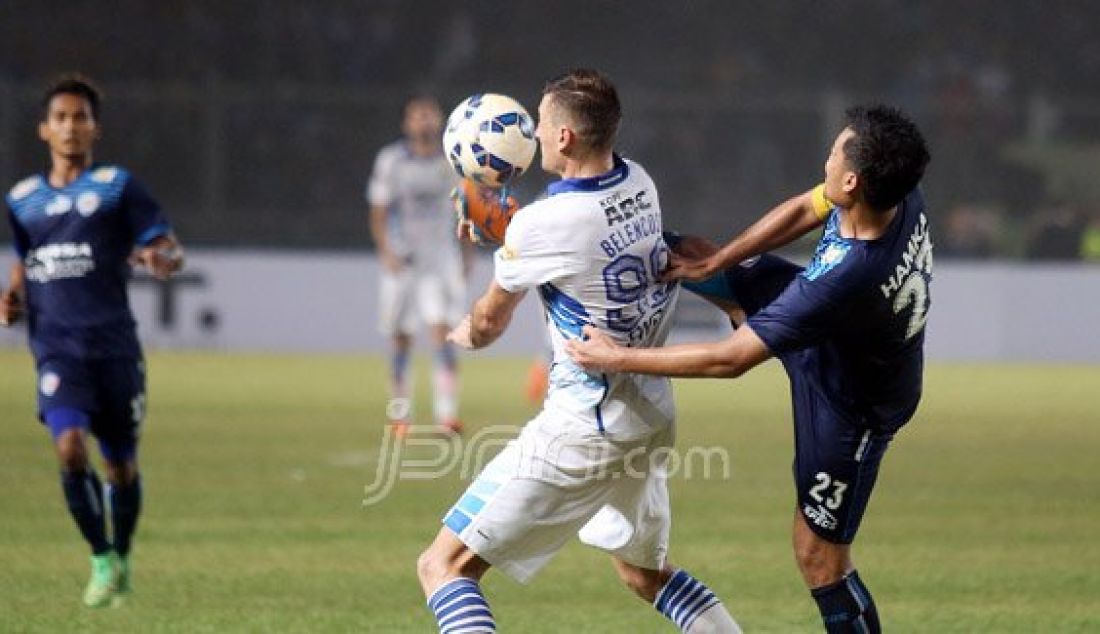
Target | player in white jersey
(422,278)
(593,463)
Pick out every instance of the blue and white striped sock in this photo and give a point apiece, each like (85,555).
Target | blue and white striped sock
(460,608)
(683,599)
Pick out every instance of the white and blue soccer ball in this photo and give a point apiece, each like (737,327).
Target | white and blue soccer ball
(490,139)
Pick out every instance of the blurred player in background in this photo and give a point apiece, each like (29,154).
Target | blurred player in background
(849,330)
(593,463)
(423,265)
(538,376)
(77,229)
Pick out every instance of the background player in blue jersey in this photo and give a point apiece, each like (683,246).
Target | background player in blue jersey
(77,229)
(848,328)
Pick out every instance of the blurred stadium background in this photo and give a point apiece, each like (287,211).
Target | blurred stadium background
(256,123)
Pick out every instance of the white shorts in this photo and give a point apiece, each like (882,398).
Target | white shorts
(411,298)
(552,483)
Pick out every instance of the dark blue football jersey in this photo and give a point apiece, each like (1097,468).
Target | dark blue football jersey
(852,322)
(74,243)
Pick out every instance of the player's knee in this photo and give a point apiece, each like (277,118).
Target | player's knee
(71,450)
(120,473)
(820,562)
(644,583)
(808,556)
(430,568)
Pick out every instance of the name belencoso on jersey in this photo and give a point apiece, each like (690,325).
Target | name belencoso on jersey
(631,280)
(621,208)
(59,261)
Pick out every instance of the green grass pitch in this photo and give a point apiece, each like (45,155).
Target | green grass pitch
(985,517)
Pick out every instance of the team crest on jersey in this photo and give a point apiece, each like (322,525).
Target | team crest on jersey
(105,174)
(826,260)
(87,203)
(25,187)
(61,204)
(49,383)
(508,253)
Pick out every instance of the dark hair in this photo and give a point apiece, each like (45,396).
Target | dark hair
(592,102)
(419,98)
(888,152)
(73,84)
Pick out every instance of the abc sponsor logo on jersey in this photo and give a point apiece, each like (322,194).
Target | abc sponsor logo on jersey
(626,209)
(86,204)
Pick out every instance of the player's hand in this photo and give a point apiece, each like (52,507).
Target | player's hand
(160,261)
(392,263)
(465,230)
(691,260)
(595,351)
(11,307)
(689,269)
(461,335)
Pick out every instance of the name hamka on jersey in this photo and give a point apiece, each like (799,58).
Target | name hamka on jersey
(634,225)
(918,255)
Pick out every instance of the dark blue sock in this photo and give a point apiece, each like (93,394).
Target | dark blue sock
(847,607)
(125,501)
(84,495)
(399,366)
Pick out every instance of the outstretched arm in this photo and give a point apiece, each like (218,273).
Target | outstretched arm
(487,320)
(379,217)
(784,224)
(731,357)
(162,257)
(11,300)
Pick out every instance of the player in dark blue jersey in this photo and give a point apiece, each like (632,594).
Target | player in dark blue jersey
(78,228)
(848,328)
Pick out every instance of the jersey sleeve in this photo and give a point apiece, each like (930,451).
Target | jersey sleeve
(807,311)
(534,254)
(147,222)
(380,186)
(822,205)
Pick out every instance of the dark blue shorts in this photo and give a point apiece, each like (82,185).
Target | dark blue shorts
(836,460)
(110,391)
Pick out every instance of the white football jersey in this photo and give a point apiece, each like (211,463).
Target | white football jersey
(593,249)
(416,192)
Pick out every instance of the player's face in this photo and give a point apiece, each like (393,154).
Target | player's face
(840,178)
(550,135)
(69,128)
(423,121)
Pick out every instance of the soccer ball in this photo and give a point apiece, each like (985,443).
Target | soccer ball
(490,139)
